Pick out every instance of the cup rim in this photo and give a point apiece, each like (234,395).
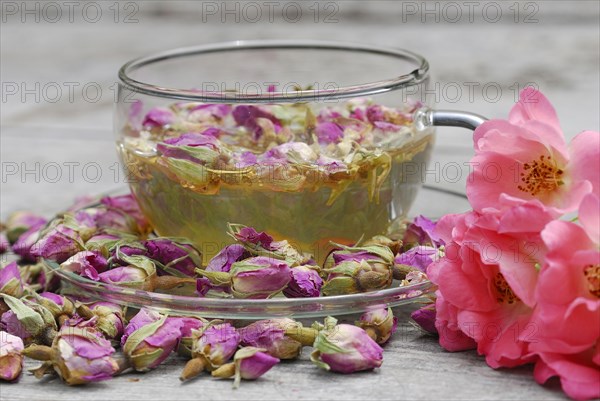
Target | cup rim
(414,77)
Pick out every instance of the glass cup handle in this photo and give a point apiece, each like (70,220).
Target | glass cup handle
(425,118)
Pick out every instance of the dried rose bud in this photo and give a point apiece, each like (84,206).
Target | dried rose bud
(60,306)
(414,277)
(271,335)
(188,326)
(379,324)
(174,256)
(78,356)
(345,348)
(20,222)
(212,346)
(262,244)
(421,232)
(213,113)
(394,245)
(31,322)
(226,257)
(128,276)
(4,244)
(149,339)
(86,264)
(58,243)
(134,248)
(249,363)
(140,273)
(11,360)
(10,280)
(305,282)
(104,316)
(129,206)
(250,117)
(329,132)
(425,318)
(258,277)
(103,218)
(24,244)
(294,152)
(358,269)
(34,277)
(418,257)
(158,117)
(105,242)
(192,146)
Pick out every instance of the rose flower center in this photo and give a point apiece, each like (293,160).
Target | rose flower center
(504,293)
(540,176)
(592,275)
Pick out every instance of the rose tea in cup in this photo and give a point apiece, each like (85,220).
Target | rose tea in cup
(313,142)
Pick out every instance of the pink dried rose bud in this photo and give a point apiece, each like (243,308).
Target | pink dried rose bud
(11,359)
(394,244)
(379,324)
(416,258)
(104,316)
(104,218)
(253,118)
(24,245)
(212,346)
(78,356)
(212,113)
(192,146)
(188,326)
(358,269)
(149,339)
(34,277)
(263,244)
(305,282)
(10,280)
(159,117)
(60,306)
(30,321)
(58,243)
(20,222)
(129,206)
(140,272)
(258,277)
(104,242)
(249,363)
(345,348)
(128,276)
(425,318)
(421,231)
(174,256)
(86,264)
(226,257)
(329,132)
(271,335)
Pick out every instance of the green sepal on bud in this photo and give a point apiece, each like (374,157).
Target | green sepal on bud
(141,359)
(38,321)
(354,269)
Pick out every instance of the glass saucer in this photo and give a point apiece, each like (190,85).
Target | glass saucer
(228,308)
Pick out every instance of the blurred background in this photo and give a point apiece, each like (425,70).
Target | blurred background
(59,63)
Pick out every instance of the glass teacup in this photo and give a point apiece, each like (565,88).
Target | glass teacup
(314,142)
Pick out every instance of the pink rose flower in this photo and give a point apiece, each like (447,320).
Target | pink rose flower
(567,316)
(526,159)
(486,282)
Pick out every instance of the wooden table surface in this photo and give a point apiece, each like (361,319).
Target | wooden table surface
(53,147)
